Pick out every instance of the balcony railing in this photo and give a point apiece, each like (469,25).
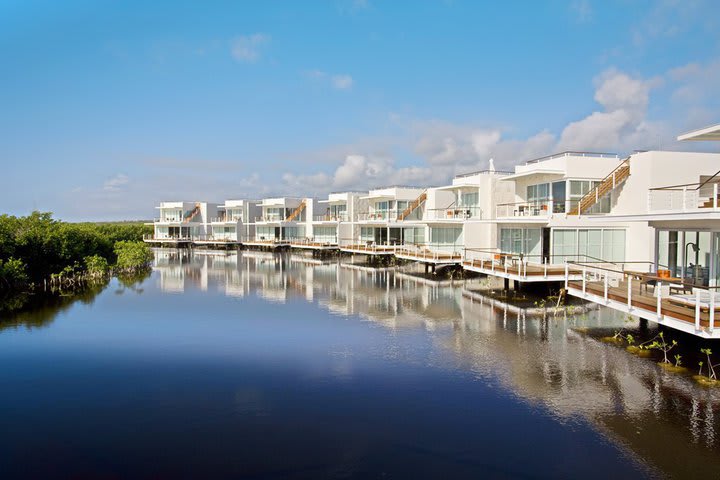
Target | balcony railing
(226,219)
(685,198)
(453,213)
(269,218)
(379,215)
(542,208)
(340,217)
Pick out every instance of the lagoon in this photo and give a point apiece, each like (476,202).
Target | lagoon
(258,365)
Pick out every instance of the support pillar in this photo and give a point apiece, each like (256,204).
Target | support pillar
(506,284)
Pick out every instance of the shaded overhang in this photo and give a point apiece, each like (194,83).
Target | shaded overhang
(529,173)
(711,134)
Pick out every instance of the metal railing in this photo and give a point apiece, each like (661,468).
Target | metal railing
(270,218)
(573,154)
(453,213)
(684,198)
(379,215)
(431,251)
(542,208)
(341,217)
(702,298)
(152,237)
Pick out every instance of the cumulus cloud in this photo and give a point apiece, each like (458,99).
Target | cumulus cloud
(622,119)
(246,48)
(116,183)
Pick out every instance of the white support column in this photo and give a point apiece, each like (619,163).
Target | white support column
(567,275)
(606,289)
(629,292)
(697,309)
(584,280)
(712,307)
(715,196)
(658,289)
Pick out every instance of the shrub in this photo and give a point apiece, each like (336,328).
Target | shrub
(132,255)
(96,265)
(13,272)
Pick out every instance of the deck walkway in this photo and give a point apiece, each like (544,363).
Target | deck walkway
(522,272)
(639,300)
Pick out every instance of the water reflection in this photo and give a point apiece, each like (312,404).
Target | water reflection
(551,359)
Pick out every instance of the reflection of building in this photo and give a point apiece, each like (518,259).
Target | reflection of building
(665,419)
(540,358)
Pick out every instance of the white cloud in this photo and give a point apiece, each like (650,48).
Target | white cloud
(623,119)
(337,81)
(342,82)
(116,183)
(246,48)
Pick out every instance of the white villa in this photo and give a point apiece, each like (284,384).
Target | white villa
(639,233)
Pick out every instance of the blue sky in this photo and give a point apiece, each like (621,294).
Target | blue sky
(108,107)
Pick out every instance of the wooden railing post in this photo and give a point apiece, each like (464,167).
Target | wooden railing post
(658,288)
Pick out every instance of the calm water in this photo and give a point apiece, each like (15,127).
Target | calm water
(260,366)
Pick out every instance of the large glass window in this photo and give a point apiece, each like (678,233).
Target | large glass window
(559,196)
(325,234)
(446,238)
(526,241)
(469,199)
(414,235)
(538,193)
(580,188)
(588,245)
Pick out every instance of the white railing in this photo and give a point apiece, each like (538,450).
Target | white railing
(682,200)
(525,209)
(151,237)
(453,213)
(379,215)
(605,284)
(430,252)
(342,217)
(269,218)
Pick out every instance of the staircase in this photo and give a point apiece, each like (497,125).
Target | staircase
(296,213)
(709,203)
(192,213)
(415,204)
(616,178)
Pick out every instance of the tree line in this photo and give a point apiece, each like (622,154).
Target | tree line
(38,248)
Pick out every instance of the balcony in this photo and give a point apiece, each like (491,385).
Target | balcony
(454,213)
(695,197)
(269,218)
(539,209)
(340,217)
(379,216)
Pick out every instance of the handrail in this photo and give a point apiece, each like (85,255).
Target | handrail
(700,184)
(642,274)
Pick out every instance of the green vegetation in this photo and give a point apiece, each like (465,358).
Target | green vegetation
(37,248)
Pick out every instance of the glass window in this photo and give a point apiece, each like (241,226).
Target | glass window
(469,199)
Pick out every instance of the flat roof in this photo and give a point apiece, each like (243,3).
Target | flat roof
(711,133)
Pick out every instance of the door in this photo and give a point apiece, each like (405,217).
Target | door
(546,245)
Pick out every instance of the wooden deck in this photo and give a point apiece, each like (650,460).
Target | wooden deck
(522,272)
(314,245)
(644,299)
(370,249)
(429,256)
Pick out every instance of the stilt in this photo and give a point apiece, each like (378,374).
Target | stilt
(506,284)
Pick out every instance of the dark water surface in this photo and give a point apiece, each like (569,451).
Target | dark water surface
(259,366)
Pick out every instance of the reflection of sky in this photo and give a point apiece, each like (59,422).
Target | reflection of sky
(353,370)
